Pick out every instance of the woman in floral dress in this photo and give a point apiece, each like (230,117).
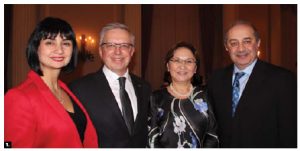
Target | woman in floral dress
(180,115)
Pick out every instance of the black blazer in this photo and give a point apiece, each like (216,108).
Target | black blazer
(95,94)
(266,115)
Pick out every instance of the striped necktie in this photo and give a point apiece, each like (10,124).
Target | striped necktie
(236,91)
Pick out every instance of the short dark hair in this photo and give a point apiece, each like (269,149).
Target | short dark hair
(242,22)
(170,54)
(49,28)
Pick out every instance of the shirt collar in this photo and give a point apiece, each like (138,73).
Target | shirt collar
(247,70)
(110,75)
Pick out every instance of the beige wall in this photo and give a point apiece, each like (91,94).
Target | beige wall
(172,23)
(169,24)
(23,21)
(85,19)
(277,26)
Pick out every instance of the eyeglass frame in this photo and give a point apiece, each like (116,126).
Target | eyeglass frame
(118,45)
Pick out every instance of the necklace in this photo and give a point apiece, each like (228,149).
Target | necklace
(181,94)
(59,96)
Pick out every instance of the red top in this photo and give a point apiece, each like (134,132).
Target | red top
(33,117)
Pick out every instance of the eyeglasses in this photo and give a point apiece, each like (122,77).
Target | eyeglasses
(113,46)
(181,61)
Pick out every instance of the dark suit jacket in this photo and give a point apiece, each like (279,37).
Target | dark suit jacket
(266,115)
(94,92)
(33,117)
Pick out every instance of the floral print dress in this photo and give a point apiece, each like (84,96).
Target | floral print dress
(175,123)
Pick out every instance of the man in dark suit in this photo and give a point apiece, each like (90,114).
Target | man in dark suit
(255,103)
(118,110)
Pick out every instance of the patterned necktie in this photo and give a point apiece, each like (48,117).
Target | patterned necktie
(236,91)
(126,106)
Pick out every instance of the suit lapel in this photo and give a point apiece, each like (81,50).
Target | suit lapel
(108,96)
(138,92)
(52,101)
(255,81)
(48,96)
(228,91)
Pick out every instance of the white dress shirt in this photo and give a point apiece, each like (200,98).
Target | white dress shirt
(244,79)
(113,82)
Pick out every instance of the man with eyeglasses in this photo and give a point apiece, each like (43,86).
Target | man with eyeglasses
(116,100)
(255,103)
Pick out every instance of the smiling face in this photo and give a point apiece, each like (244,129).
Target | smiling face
(55,53)
(242,45)
(182,66)
(114,53)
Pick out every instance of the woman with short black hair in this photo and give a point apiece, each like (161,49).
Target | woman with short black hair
(42,111)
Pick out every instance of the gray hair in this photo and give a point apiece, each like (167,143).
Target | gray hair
(116,25)
(242,22)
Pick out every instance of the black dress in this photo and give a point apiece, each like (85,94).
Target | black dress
(176,123)
(79,119)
